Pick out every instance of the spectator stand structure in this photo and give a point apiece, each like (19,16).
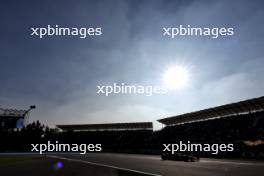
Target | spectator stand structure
(241,124)
(108,127)
(114,137)
(242,107)
(11,119)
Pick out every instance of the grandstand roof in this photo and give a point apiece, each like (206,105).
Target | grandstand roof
(12,112)
(108,126)
(251,105)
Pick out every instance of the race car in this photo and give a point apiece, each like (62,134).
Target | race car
(179,157)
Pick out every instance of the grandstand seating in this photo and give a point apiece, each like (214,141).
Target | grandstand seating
(245,129)
(238,127)
(234,129)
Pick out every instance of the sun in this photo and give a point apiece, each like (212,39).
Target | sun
(176,77)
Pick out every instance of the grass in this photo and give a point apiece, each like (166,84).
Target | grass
(13,159)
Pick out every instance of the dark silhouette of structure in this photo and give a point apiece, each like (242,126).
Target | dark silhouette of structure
(11,119)
(241,124)
(108,127)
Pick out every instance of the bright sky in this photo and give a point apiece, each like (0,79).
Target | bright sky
(60,75)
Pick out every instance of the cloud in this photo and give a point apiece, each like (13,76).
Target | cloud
(60,75)
(232,88)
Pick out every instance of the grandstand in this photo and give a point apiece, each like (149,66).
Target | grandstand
(114,137)
(108,127)
(241,124)
(242,107)
(10,118)
(13,118)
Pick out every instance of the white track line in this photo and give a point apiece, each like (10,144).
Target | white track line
(233,162)
(103,165)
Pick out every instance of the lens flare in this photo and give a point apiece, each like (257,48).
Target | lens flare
(20,123)
(58,165)
(176,77)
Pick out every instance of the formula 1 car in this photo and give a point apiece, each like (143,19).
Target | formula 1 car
(179,157)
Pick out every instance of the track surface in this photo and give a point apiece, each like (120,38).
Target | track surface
(153,164)
(43,166)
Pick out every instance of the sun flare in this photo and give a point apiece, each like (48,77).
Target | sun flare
(176,77)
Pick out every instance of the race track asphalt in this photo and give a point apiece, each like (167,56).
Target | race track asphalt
(154,165)
(112,164)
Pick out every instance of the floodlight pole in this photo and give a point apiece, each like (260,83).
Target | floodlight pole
(26,114)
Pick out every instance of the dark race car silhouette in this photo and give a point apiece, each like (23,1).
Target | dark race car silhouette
(179,157)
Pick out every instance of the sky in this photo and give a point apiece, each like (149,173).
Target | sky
(60,75)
